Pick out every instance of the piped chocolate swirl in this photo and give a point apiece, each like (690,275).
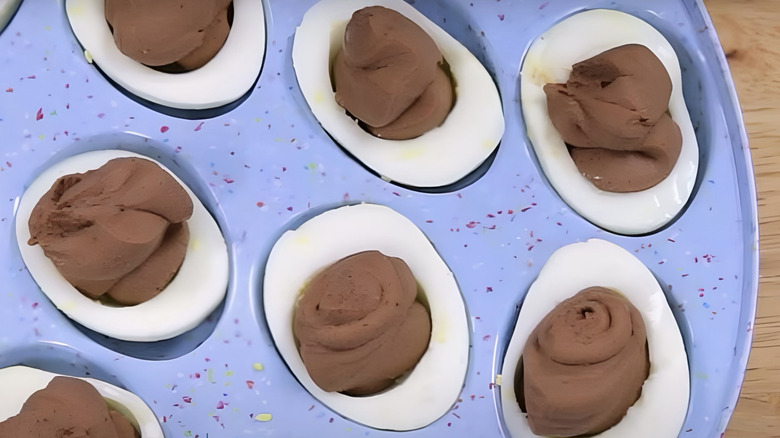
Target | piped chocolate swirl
(584,365)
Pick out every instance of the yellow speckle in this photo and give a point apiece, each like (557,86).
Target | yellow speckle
(409,154)
(440,334)
(263,417)
(319,97)
(257,366)
(88,56)
(227,383)
(76,8)
(488,144)
(47,28)
(229,373)
(194,244)
(499,379)
(41,137)
(302,240)
(258,120)
(67,306)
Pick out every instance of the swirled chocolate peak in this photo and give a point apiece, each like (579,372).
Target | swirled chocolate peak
(389,75)
(161,32)
(67,407)
(118,230)
(584,365)
(612,112)
(358,324)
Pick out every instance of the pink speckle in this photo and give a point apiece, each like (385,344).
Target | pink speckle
(250,384)
(186,399)
(501,17)
(31,77)
(39,114)
(207,359)
(228,180)
(8,163)
(67,85)
(221,404)
(486,337)
(523,210)
(510,211)
(289,209)
(429,221)
(489,289)
(330,421)
(543,5)
(260,203)
(35,305)
(200,125)
(9,90)
(471,224)
(164,129)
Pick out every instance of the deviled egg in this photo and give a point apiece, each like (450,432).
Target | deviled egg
(224,79)
(433,385)
(441,156)
(549,60)
(662,405)
(20,382)
(193,293)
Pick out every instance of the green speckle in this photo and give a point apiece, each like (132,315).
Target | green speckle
(53,113)
(264,417)
(187,433)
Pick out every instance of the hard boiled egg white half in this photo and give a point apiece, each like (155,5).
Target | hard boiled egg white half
(433,386)
(660,410)
(195,291)
(20,382)
(549,60)
(224,79)
(439,157)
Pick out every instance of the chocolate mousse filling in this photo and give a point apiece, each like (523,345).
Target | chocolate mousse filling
(613,115)
(391,76)
(584,365)
(118,231)
(67,407)
(358,324)
(170,35)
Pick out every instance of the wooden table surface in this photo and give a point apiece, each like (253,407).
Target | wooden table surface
(749,31)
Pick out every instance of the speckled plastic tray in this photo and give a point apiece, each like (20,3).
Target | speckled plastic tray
(265,166)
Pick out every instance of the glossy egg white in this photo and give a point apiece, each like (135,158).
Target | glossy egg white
(439,157)
(231,73)
(189,298)
(20,382)
(433,386)
(549,60)
(7,10)
(661,409)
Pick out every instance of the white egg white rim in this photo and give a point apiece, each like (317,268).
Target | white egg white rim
(195,291)
(224,79)
(439,157)
(431,388)
(661,409)
(550,59)
(20,382)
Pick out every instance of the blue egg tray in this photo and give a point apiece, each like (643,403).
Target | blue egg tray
(265,165)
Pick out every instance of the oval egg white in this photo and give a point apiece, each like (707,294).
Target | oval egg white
(433,386)
(660,410)
(549,60)
(188,299)
(439,157)
(20,382)
(224,79)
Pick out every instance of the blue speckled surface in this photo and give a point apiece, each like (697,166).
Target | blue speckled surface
(266,166)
